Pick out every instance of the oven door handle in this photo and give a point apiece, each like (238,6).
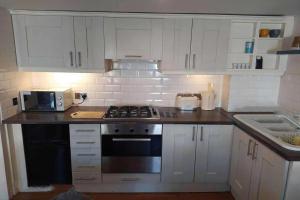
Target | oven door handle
(131,139)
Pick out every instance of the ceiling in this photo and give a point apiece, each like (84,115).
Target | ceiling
(249,7)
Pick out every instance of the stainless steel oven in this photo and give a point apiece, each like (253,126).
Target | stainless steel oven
(131,148)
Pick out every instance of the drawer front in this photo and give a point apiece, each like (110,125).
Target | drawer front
(86,178)
(86,159)
(131,178)
(85,135)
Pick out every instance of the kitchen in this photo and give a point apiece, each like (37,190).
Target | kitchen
(150,98)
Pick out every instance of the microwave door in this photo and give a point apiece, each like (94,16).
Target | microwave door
(40,101)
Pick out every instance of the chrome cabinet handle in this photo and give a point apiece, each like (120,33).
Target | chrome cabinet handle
(131,139)
(194,61)
(133,56)
(249,153)
(194,133)
(71,58)
(201,136)
(186,61)
(254,155)
(79,58)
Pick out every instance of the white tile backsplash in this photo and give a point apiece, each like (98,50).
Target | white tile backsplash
(244,93)
(128,87)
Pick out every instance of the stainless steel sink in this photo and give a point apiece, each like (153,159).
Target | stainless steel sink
(277,127)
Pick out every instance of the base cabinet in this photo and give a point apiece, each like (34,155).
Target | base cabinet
(196,154)
(178,154)
(256,172)
(213,153)
(85,153)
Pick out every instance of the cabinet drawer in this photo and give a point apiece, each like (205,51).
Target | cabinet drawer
(85,135)
(131,178)
(86,159)
(86,178)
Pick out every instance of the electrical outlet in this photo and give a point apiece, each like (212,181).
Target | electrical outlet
(15,101)
(79,95)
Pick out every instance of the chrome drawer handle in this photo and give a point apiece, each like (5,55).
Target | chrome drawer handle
(130,179)
(86,179)
(86,154)
(87,130)
(85,142)
(131,139)
(90,167)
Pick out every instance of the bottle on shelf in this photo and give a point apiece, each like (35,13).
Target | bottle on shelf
(259,62)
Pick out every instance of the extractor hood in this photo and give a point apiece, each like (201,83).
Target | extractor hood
(132,64)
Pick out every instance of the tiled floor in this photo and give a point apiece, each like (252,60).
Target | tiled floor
(138,196)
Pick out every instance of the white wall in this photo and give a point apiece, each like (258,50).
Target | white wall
(289,97)
(250,93)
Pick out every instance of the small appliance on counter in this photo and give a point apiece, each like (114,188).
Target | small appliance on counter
(208,99)
(46,100)
(187,101)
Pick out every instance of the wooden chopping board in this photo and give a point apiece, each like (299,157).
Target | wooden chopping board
(88,115)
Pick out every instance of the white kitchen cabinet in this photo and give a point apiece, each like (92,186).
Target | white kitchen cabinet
(44,41)
(85,143)
(256,172)
(133,38)
(213,153)
(89,42)
(59,43)
(176,44)
(209,45)
(269,174)
(178,153)
(241,164)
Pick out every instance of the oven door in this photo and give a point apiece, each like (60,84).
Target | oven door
(131,153)
(38,101)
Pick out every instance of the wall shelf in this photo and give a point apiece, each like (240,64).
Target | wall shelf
(286,52)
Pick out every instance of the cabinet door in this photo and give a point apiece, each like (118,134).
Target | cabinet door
(89,42)
(178,156)
(44,41)
(241,164)
(213,153)
(209,44)
(133,38)
(269,174)
(176,44)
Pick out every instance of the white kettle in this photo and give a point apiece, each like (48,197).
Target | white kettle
(208,99)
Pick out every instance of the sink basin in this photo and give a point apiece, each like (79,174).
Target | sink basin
(278,128)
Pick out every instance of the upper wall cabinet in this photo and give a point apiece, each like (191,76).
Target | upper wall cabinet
(195,45)
(133,38)
(59,43)
(209,45)
(176,44)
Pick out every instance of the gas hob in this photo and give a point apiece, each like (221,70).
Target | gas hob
(132,112)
